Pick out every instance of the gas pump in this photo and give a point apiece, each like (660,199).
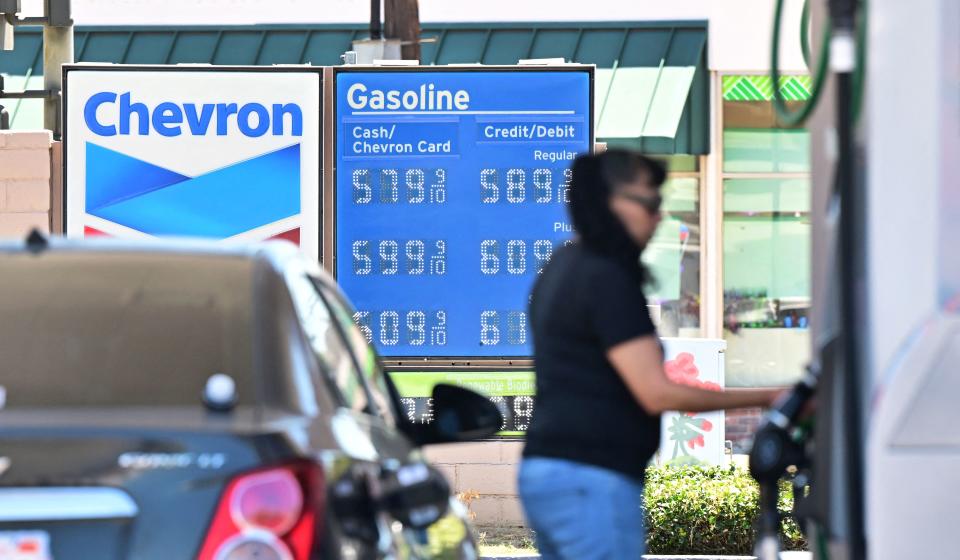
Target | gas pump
(783,440)
(886,303)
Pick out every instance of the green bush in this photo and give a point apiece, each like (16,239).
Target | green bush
(708,510)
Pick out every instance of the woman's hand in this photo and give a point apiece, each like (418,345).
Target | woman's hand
(776,395)
(639,362)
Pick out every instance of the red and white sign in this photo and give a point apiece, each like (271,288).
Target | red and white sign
(689,437)
(25,545)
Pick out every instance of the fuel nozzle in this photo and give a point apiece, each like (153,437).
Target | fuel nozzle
(776,448)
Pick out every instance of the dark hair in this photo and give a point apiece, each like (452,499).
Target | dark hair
(595,178)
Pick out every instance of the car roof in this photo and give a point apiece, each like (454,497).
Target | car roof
(167,262)
(276,253)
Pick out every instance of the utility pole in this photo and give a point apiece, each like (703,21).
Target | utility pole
(376,27)
(402,19)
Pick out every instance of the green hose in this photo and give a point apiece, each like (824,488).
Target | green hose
(860,71)
(798,117)
(823,552)
(784,114)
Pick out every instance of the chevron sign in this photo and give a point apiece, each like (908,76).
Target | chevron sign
(221,153)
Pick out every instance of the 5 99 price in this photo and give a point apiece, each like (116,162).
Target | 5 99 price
(412,257)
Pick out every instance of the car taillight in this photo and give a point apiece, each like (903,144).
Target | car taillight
(273,514)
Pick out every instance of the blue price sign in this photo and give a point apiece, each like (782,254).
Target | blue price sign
(451,187)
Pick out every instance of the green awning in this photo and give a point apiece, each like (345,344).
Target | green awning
(652,91)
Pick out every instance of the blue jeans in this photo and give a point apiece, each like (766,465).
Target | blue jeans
(582,512)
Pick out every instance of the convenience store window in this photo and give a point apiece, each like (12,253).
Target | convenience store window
(766,239)
(673,255)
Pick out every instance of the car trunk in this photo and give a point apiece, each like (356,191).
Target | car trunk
(127,483)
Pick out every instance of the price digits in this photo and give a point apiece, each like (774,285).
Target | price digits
(403,328)
(514,256)
(419,410)
(390,257)
(518,186)
(507,328)
(399,186)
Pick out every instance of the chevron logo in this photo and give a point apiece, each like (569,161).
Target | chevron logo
(218,204)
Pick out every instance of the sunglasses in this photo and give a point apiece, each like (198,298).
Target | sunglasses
(651,203)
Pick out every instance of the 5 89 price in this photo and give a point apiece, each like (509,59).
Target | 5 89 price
(518,186)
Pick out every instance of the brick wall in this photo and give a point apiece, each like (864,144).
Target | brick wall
(488,468)
(24,182)
(740,426)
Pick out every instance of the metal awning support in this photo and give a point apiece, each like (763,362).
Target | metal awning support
(28,94)
(57,51)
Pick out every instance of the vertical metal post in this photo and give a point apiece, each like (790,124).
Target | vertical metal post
(711,221)
(57,51)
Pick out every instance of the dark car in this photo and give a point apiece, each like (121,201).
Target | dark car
(195,401)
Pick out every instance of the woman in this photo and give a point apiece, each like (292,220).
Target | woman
(600,381)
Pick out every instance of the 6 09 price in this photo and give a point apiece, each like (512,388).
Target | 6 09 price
(403,328)
(517,186)
(395,186)
(514,256)
(397,256)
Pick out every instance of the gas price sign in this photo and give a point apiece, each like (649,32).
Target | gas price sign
(451,187)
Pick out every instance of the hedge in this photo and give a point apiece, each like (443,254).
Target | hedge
(708,510)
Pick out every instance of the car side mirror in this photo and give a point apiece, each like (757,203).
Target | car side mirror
(464,415)
(458,415)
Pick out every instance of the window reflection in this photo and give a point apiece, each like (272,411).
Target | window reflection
(673,257)
(766,251)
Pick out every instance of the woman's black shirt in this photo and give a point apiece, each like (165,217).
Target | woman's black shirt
(583,304)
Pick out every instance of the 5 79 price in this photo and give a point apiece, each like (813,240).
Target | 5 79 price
(396,186)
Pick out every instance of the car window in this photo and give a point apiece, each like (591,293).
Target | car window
(328,345)
(124,329)
(369,364)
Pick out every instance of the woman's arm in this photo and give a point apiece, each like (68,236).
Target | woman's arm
(640,364)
